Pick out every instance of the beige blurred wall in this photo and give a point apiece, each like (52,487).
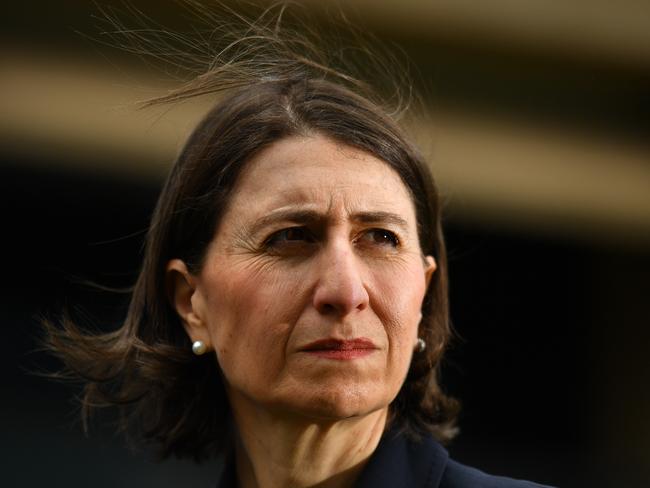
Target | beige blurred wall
(495,168)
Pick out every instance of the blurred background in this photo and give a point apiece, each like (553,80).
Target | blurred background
(538,124)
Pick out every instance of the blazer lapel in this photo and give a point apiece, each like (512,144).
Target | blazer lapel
(398,461)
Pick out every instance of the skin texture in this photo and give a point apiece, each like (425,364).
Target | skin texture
(319,242)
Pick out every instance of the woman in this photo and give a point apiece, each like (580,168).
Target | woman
(291,312)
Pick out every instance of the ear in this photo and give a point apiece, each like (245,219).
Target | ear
(182,294)
(430,267)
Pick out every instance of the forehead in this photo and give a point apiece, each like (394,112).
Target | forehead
(319,172)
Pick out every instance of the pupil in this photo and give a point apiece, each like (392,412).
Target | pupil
(382,236)
(294,234)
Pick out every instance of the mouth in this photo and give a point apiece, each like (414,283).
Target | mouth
(340,349)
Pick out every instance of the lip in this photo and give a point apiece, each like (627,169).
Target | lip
(340,349)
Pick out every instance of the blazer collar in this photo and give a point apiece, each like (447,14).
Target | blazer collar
(397,461)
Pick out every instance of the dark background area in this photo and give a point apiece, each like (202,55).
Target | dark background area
(550,303)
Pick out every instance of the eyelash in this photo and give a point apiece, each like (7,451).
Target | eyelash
(276,239)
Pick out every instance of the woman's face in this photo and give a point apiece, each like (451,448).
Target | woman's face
(311,291)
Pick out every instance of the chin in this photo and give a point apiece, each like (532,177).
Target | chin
(337,404)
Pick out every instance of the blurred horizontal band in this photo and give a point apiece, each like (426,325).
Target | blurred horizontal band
(490,169)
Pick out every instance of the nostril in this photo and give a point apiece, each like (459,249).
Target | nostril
(327,309)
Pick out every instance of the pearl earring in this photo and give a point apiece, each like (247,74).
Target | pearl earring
(420,345)
(199,347)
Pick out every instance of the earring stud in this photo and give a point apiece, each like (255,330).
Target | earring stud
(420,345)
(199,348)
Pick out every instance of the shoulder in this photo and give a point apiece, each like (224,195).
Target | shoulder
(400,461)
(457,475)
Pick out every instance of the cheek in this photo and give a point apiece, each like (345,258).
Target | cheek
(399,292)
(250,313)
(398,304)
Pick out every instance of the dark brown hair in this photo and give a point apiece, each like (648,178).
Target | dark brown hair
(168,396)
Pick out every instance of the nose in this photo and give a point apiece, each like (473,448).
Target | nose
(340,289)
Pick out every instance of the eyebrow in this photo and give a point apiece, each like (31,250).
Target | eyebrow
(305,216)
(380,218)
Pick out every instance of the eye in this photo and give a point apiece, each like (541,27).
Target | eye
(292,235)
(379,237)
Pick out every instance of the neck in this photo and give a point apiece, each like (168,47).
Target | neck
(275,450)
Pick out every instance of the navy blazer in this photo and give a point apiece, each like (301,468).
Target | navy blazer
(402,463)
